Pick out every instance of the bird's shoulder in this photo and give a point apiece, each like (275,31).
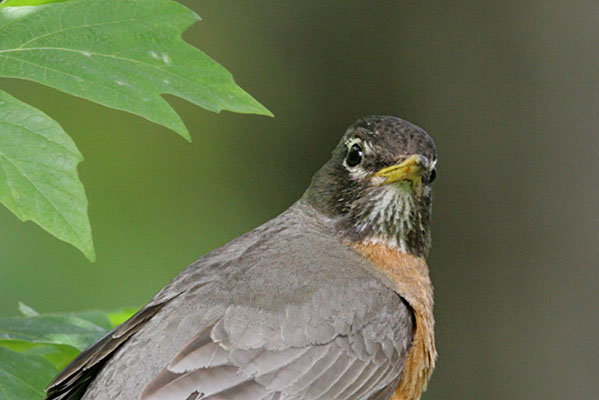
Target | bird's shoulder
(290,270)
(284,261)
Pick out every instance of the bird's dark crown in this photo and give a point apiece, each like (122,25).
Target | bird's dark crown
(376,186)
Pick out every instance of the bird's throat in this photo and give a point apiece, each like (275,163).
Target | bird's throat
(394,216)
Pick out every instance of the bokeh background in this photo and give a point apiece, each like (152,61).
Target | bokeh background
(509,91)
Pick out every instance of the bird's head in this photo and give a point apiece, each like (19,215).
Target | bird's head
(377,185)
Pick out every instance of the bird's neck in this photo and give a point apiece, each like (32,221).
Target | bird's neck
(393,217)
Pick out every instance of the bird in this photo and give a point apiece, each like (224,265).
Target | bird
(329,300)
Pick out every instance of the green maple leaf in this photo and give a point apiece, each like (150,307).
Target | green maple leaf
(120,53)
(123,54)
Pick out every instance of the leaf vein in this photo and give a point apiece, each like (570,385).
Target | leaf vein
(76,154)
(61,72)
(182,77)
(67,30)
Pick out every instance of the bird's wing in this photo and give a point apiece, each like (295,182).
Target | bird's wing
(358,365)
(72,382)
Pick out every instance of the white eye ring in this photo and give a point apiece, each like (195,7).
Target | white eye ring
(350,142)
(354,155)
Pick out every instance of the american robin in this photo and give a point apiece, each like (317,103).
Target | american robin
(329,300)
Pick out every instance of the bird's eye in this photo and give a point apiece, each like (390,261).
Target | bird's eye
(354,155)
(432,175)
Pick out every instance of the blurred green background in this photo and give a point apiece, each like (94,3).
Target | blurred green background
(509,91)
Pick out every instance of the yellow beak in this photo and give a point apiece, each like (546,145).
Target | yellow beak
(410,169)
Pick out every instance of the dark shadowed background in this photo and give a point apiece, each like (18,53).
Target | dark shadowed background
(509,91)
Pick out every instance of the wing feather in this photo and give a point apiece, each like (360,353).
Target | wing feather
(354,366)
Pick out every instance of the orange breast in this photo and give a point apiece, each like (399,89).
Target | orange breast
(411,281)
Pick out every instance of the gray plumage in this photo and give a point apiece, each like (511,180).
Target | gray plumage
(286,311)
